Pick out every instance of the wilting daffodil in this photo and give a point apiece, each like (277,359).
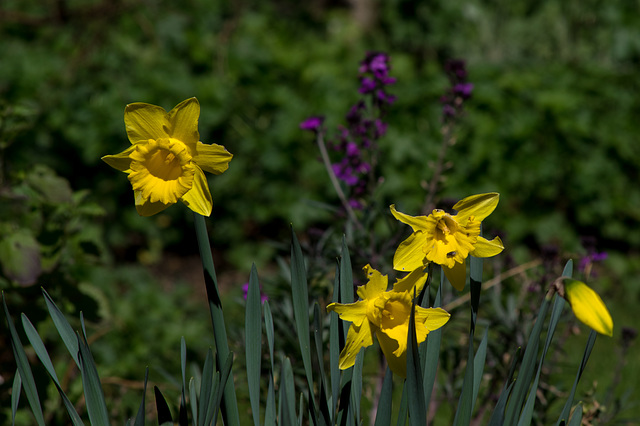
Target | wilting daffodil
(448,239)
(387,314)
(587,306)
(166,159)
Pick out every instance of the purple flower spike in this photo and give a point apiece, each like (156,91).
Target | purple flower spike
(463,89)
(312,123)
(367,85)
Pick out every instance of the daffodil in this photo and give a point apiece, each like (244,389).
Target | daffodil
(448,239)
(587,306)
(166,159)
(387,314)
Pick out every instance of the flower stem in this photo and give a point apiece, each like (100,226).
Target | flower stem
(334,180)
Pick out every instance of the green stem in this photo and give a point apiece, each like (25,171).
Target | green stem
(229,403)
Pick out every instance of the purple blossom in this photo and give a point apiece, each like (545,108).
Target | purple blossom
(463,89)
(591,258)
(312,123)
(459,91)
(245,292)
(367,85)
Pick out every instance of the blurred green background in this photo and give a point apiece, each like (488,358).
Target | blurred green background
(552,125)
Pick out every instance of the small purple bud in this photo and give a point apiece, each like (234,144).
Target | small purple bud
(463,89)
(448,110)
(312,123)
(367,85)
(352,150)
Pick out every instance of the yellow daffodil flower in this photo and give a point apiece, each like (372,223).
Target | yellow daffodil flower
(448,239)
(166,159)
(387,314)
(587,306)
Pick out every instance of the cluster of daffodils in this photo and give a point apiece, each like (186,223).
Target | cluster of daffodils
(166,163)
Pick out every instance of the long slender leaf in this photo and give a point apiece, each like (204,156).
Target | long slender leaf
(24,368)
(583,364)
(64,328)
(270,409)
(317,337)
(383,413)
(141,411)
(93,395)
(432,352)
(230,406)
(478,366)
(299,293)
(334,348)
(182,419)
(16,389)
(465,403)
(162,408)
(43,355)
(525,374)
(193,401)
(414,385)
(576,418)
(206,388)
(527,411)
(497,418)
(288,394)
(253,339)
(356,388)
(268,327)
(403,412)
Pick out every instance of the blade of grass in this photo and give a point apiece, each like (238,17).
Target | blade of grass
(94,397)
(465,403)
(206,388)
(162,408)
(253,339)
(583,364)
(270,409)
(230,406)
(527,411)
(403,412)
(356,388)
(24,368)
(141,411)
(334,348)
(183,420)
(193,401)
(414,386)
(16,389)
(287,396)
(225,373)
(383,413)
(478,366)
(576,418)
(43,355)
(64,328)
(433,352)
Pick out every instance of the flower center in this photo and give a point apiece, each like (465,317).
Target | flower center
(396,312)
(446,226)
(162,170)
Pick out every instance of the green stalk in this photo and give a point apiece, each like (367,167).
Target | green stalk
(229,403)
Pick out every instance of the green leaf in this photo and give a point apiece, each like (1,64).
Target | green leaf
(270,409)
(193,401)
(64,328)
(16,389)
(225,373)
(43,355)
(162,408)
(230,408)
(583,364)
(576,418)
(403,412)
(182,420)
(525,374)
(94,397)
(253,339)
(24,368)
(141,411)
(465,403)
(287,396)
(433,352)
(299,293)
(414,385)
(356,388)
(478,366)
(383,413)
(268,326)
(206,388)
(20,257)
(334,348)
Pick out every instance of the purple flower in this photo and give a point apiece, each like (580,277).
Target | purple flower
(367,85)
(463,89)
(312,123)
(590,258)
(245,292)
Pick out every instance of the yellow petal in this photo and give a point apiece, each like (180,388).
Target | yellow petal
(416,222)
(588,307)
(146,207)
(120,161)
(183,123)
(389,346)
(353,312)
(212,158)
(486,248)
(457,275)
(376,285)
(144,122)
(410,253)
(479,206)
(198,198)
(432,318)
(416,278)
(357,338)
